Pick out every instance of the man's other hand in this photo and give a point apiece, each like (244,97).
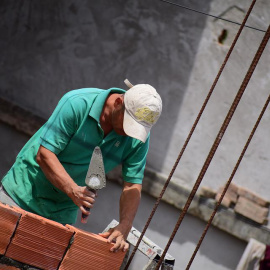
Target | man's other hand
(117,235)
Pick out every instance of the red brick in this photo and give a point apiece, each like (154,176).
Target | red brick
(251,210)
(243,192)
(7,267)
(39,242)
(8,221)
(90,251)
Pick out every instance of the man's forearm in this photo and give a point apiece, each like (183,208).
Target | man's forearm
(129,203)
(57,175)
(54,171)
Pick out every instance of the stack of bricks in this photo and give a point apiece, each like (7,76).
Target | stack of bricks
(231,196)
(28,240)
(252,206)
(242,201)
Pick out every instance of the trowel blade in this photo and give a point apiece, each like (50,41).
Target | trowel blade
(95,177)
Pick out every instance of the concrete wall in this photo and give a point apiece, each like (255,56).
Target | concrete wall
(52,47)
(254,170)
(49,48)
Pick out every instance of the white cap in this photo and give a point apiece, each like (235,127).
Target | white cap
(143,107)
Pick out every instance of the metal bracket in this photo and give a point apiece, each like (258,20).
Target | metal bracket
(148,248)
(166,265)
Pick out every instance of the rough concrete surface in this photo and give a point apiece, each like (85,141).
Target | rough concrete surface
(54,46)
(254,171)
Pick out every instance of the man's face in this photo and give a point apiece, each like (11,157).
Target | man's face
(118,119)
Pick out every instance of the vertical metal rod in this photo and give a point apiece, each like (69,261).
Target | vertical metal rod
(229,181)
(218,139)
(191,132)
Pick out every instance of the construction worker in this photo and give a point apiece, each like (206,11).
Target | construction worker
(48,176)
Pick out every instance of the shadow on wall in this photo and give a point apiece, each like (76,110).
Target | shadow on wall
(53,47)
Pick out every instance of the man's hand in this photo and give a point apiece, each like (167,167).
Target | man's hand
(129,202)
(83,198)
(58,176)
(118,236)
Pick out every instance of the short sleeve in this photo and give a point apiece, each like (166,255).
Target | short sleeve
(134,164)
(60,127)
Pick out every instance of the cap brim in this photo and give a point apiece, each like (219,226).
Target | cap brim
(134,129)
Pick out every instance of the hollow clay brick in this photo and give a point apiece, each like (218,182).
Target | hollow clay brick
(90,251)
(8,221)
(39,242)
(251,210)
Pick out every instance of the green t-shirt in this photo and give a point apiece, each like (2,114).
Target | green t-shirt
(72,132)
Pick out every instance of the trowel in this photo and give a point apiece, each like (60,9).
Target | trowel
(95,178)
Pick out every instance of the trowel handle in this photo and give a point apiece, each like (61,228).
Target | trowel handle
(85,217)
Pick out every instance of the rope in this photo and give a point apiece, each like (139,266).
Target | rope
(210,15)
(229,182)
(189,135)
(218,139)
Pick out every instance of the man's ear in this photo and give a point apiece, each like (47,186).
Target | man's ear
(119,101)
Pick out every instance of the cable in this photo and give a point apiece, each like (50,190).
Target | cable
(210,15)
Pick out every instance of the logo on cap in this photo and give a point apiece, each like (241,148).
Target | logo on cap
(146,115)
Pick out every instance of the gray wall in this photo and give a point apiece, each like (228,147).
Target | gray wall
(55,46)
(51,47)
(254,170)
